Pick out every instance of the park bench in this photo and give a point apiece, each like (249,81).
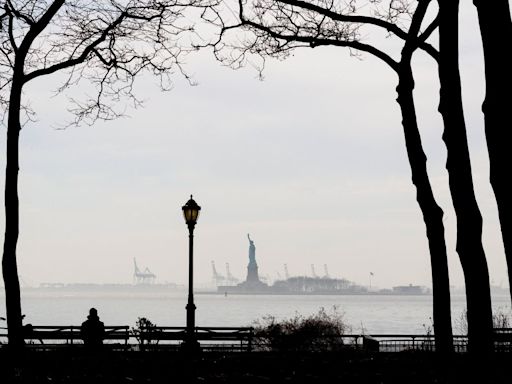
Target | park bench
(215,337)
(398,342)
(46,335)
(370,344)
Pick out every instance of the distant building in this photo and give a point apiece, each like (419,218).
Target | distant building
(410,290)
(318,285)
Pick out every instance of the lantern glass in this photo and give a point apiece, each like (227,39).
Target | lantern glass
(191,211)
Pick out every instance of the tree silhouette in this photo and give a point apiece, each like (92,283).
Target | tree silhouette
(495,26)
(279,26)
(107,43)
(458,164)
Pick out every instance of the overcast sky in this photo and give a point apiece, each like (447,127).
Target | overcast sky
(311,162)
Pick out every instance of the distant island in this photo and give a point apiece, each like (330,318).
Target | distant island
(304,285)
(106,287)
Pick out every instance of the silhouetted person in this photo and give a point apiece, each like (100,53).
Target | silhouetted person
(92,330)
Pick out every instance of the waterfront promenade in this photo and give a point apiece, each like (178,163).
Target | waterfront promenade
(407,359)
(61,366)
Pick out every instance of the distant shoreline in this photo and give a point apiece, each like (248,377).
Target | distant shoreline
(161,288)
(172,287)
(270,293)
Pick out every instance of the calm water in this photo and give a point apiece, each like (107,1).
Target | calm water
(376,314)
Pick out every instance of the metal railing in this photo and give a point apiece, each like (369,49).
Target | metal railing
(217,338)
(401,343)
(244,339)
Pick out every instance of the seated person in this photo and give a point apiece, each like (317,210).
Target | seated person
(92,330)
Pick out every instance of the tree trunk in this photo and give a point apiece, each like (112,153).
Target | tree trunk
(9,267)
(496,30)
(432,213)
(469,219)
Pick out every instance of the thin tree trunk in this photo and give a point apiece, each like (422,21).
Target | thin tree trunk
(469,219)
(496,31)
(432,213)
(9,267)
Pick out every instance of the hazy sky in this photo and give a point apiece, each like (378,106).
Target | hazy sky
(311,162)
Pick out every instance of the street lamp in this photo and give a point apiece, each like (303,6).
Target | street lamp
(191,213)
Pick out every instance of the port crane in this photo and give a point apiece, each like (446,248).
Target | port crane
(229,277)
(218,279)
(313,273)
(142,276)
(326,271)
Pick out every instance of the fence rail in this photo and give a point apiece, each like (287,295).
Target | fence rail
(217,337)
(238,339)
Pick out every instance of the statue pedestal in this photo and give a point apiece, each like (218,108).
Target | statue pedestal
(252,273)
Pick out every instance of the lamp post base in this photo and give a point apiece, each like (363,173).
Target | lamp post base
(190,346)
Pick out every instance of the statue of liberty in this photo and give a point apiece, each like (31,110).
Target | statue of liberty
(252,268)
(252,251)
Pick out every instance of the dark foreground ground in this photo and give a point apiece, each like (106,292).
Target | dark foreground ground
(74,366)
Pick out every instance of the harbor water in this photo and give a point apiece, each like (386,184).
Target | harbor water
(371,314)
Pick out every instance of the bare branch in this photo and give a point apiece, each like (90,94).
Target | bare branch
(107,44)
(40,25)
(11,35)
(426,34)
(316,41)
(16,13)
(275,27)
(77,60)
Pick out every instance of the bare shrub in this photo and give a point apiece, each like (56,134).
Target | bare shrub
(501,318)
(321,331)
(143,325)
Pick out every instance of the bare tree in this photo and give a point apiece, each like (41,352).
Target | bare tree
(107,43)
(496,27)
(275,27)
(458,164)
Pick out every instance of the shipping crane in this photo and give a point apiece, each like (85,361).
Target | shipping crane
(142,277)
(218,279)
(230,279)
(326,272)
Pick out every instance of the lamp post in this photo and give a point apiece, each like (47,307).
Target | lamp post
(191,213)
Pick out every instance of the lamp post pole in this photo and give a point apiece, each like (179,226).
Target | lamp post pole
(191,213)
(191,307)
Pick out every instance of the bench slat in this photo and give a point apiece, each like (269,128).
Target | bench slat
(72,333)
